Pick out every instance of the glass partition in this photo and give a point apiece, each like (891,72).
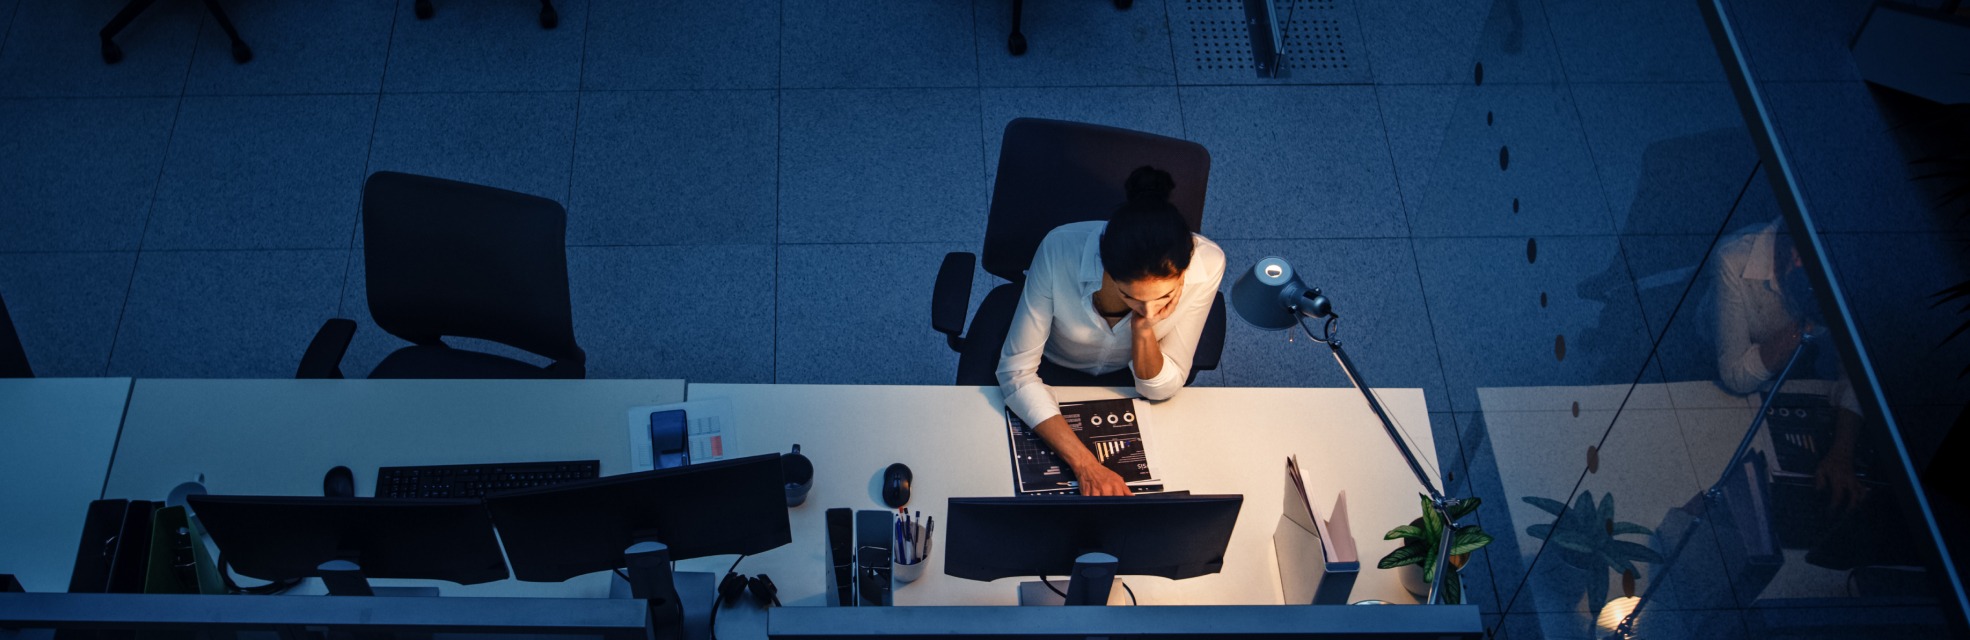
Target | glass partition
(1667,414)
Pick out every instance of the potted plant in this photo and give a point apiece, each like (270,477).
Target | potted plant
(1584,537)
(1421,539)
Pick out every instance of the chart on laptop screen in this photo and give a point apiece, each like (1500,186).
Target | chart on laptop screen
(1109,428)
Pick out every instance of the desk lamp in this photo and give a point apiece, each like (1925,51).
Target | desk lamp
(1271,297)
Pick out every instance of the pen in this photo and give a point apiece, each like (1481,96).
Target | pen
(927,528)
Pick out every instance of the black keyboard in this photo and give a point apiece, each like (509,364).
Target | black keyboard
(477,480)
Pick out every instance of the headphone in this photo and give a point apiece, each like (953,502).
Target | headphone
(761,587)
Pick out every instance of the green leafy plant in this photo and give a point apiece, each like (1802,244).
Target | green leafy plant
(1422,537)
(1584,537)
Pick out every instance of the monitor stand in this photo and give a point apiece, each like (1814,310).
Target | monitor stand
(1092,583)
(680,602)
(345,578)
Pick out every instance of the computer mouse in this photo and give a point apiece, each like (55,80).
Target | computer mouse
(896,485)
(339,482)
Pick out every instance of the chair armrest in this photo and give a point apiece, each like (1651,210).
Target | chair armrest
(952,297)
(573,368)
(1210,346)
(323,359)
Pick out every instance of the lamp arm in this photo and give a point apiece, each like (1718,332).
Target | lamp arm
(1354,377)
(1627,627)
(1444,538)
(1758,419)
(1438,502)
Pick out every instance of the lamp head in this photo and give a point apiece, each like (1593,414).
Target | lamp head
(1270,296)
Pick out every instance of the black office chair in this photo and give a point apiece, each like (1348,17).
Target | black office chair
(113,54)
(13,357)
(548,18)
(1052,173)
(1016,43)
(448,258)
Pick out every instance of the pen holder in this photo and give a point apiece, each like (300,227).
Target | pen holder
(911,554)
(908,573)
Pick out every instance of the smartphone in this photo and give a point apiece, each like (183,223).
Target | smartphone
(670,439)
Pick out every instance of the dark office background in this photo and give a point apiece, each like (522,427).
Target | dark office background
(761,191)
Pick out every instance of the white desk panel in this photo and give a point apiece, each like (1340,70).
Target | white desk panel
(1206,440)
(56,438)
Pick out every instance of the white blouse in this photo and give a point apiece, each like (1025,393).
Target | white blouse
(1056,317)
(1750,304)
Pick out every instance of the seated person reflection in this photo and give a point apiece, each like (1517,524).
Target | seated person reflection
(1765,307)
(1100,296)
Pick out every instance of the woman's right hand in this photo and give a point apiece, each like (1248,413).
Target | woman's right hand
(1097,480)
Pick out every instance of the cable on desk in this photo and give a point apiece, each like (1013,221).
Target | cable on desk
(1125,587)
(274,588)
(1054,589)
(720,598)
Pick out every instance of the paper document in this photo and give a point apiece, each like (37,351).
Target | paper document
(710,423)
(1336,541)
(1111,429)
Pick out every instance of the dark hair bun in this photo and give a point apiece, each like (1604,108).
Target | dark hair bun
(1149,184)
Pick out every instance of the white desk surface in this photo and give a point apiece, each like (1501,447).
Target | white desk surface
(56,438)
(277,437)
(253,436)
(1206,441)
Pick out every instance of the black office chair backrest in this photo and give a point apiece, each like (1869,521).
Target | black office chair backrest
(13,357)
(1053,172)
(447,258)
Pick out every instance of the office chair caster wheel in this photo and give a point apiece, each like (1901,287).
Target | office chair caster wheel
(112,54)
(1016,44)
(548,18)
(424,9)
(1124,4)
(242,53)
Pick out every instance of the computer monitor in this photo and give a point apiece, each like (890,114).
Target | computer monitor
(565,530)
(643,522)
(345,540)
(1090,539)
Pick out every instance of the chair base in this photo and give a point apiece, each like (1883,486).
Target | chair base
(1016,43)
(549,18)
(113,54)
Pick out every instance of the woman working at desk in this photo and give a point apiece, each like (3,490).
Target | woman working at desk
(1101,296)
